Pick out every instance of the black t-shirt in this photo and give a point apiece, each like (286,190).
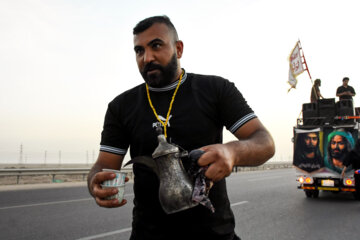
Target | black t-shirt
(342,89)
(203,106)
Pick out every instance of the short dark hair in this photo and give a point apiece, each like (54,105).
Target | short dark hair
(345,78)
(148,22)
(317,81)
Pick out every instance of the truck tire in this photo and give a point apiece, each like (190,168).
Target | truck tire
(315,193)
(312,193)
(356,195)
(308,193)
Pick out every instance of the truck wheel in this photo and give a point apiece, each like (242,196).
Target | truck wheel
(356,195)
(315,193)
(312,193)
(308,194)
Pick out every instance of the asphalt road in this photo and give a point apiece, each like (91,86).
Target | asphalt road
(266,204)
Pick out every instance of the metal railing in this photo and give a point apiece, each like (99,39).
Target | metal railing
(19,172)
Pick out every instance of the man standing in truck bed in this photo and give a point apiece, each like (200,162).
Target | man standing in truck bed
(345,92)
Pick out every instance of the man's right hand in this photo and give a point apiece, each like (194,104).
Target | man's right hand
(100,194)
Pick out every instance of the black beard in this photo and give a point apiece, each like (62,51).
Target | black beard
(338,155)
(166,75)
(309,149)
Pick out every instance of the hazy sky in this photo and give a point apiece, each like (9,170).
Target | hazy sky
(62,61)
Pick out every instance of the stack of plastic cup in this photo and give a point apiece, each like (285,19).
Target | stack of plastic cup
(118,182)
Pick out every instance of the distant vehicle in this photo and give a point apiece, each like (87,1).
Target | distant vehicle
(324,135)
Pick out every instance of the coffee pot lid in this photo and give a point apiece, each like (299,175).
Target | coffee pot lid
(163,148)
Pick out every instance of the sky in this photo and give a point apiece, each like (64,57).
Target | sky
(63,61)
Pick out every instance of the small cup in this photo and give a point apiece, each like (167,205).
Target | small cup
(119,196)
(118,180)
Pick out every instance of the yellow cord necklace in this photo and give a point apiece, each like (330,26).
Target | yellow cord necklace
(171,103)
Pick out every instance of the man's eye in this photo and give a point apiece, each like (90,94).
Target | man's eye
(139,51)
(156,45)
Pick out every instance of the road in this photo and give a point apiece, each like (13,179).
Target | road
(266,204)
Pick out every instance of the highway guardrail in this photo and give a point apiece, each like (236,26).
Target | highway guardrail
(19,172)
(53,172)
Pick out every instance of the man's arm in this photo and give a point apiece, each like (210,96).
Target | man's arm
(348,93)
(254,147)
(96,177)
(319,95)
(352,92)
(338,92)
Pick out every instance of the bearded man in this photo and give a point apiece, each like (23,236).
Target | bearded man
(307,155)
(200,107)
(340,143)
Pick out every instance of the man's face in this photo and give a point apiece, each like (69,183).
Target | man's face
(311,141)
(157,55)
(337,147)
(345,82)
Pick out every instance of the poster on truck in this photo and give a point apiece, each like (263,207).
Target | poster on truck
(307,150)
(323,148)
(337,144)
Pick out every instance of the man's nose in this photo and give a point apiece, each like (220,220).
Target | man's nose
(148,57)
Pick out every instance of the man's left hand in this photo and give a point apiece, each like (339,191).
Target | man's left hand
(219,160)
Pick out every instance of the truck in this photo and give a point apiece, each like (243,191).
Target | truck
(323,138)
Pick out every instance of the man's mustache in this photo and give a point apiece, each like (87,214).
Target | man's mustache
(336,149)
(152,66)
(335,152)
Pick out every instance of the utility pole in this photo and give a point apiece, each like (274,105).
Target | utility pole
(87,157)
(59,157)
(45,155)
(21,154)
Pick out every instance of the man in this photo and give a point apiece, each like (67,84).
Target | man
(340,144)
(198,107)
(307,155)
(315,91)
(345,91)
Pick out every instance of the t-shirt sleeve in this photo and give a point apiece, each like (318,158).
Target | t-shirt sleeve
(353,91)
(234,110)
(338,90)
(113,136)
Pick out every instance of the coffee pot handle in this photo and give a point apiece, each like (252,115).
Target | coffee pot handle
(194,156)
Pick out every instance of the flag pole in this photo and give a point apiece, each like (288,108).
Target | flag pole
(303,56)
(307,69)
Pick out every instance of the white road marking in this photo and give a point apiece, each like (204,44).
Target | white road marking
(51,203)
(238,203)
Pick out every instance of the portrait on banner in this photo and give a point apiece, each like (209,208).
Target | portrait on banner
(307,153)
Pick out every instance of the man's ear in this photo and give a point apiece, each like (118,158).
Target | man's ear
(179,48)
